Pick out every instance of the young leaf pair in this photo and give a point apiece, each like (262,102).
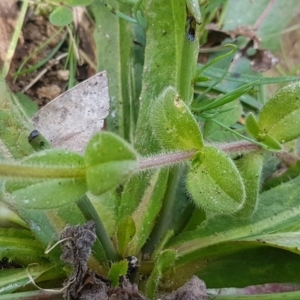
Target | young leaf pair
(108,161)
(213,179)
(278,121)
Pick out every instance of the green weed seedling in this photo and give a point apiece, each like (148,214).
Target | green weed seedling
(175,185)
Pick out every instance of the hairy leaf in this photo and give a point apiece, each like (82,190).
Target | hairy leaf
(174,124)
(109,160)
(214,182)
(279,117)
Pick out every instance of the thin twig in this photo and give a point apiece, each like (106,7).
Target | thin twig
(44,71)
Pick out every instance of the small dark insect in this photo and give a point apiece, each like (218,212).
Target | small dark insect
(37,141)
(133,267)
(190,28)
(33,134)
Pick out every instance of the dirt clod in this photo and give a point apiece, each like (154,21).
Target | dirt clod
(83,283)
(77,242)
(194,289)
(126,291)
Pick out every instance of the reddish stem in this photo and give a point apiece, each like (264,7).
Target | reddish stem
(169,159)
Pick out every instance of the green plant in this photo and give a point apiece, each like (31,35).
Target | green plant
(154,186)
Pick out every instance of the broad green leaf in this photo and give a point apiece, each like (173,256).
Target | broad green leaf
(149,183)
(214,182)
(165,260)
(109,161)
(58,165)
(279,117)
(178,72)
(20,246)
(32,171)
(147,210)
(217,266)
(174,214)
(284,240)
(106,206)
(179,64)
(45,194)
(173,123)
(261,265)
(116,270)
(61,16)
(53,163)
(47,224)
(12,279)
(277,212)
(125,233)
(114,47)
(250,167)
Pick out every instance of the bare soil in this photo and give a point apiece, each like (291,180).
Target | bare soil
(36,31)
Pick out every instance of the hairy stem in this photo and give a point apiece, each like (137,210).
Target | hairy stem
(163,160)
(240,146)
(169,159)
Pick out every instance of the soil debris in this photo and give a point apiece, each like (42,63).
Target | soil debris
(34,71)
(126,291)
(77,242)
(83,283)
(194,289)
